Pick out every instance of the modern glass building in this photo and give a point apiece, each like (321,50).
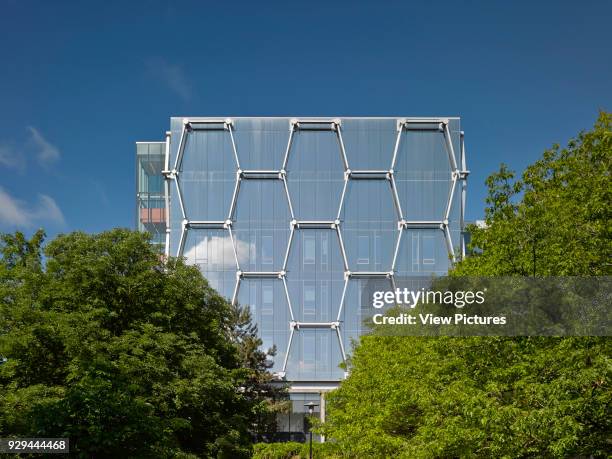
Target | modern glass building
(295,217)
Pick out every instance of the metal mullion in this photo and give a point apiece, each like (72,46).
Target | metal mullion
(208,121)
(450,148)
(167,195)
(284,179)
(167,151)
(341,345)
(422,224)
(284,279)
(397,247)
(346,179)
(231,234)
(341,307)
(451,195)
(180,197)
(369,175)
(181,148)
(231,132)
(424,120)
(236,290)
(333,121)
(289,142)
(463,195)
(315,224)
(449,242)
(260,174)
(397,143)
(260,274)
(286,260)
(179,252)
(234,196)
(396,201)
(316,129)
(393,285)
(315,325)
(340,240)
(369,274)
(167,215)
(342,149)
(207,224)
(288,350)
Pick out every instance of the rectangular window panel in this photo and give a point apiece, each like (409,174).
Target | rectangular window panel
(253,298)
(363,250)
(309,250)
(428,250)
(267,302)
(323,351)
(324,303)
(267,244)
(377,252)
(201,251)
(310,299)
(309,351)
(324,252)
(213,251)
(415,252)
(253,252)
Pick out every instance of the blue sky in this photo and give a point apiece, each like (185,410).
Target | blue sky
(80,82)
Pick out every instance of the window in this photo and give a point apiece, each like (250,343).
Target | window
(309,250)
(363,250)
(415,252)
(201,251)
(309,299)
(377,252)
(253,298)
(324,252)
(213,251)
(428,250)
(267,299)
(267,244)
(323,354)
(324,303)
(309,351)
(252,251)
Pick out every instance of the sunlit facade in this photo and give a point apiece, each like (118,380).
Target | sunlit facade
(295,216)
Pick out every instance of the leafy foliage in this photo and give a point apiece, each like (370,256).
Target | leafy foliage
(294,450)
(494,396)
(556,220)
(126,355)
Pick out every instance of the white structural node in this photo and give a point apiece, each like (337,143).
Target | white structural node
(458,174)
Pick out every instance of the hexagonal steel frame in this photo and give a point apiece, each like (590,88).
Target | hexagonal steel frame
(459,172)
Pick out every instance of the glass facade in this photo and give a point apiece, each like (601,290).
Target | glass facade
(150,192)
(297,218)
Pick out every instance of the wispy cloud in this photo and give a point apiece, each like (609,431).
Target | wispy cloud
(17,213)
(172,75)
(16,155)
(100,190)
(46,153)
(12,158)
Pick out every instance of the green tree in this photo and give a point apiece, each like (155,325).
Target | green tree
(494,396)
(556,219)
(126,355)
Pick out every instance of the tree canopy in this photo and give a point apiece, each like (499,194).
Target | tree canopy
(494,396)
(125,354)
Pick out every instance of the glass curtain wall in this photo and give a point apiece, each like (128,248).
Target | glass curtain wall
(150,200)
(297,218)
